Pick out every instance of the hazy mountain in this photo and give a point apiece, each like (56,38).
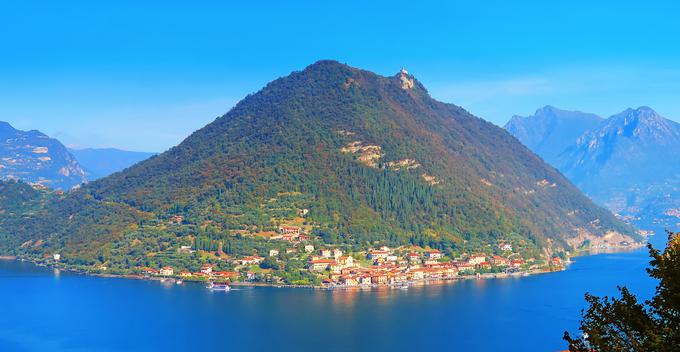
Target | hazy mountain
(371,158)
(629,162)
(33,157)
(550,130)
(101,162)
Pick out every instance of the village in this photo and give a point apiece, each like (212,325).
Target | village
(381,266)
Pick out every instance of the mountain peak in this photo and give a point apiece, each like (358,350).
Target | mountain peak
(641,114)
(546,110)
(323,64)
(5,126)
(550,130)
(33,157)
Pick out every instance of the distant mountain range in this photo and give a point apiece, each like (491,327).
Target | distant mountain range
(33,157)
(629,162)
(550,130)
(102,162)
(353,158)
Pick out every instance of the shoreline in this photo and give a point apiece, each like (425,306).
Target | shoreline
(420,282)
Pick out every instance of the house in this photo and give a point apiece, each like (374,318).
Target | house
(320,264)
(290,250)
(176,219)
(516,263)
(379,278)
(556,261)
(346,261)
(184,274)
(335,267)
(207,268)
(477,259)
(150,271)
(462,266)
(505,247)
(430,261)
(337,253)
(377,254)
(364,280)
(309,248)
(226,274)
(349,280)
(250,260)
(484,265)
(433,254)
(185,249)
(391,258)
(413,257)
(303,237)
(416,274)
(326,253)
(57,257)
(167,271)
(273,252)
(290,230)
(500,261)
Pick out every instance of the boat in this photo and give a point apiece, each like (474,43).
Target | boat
(179,282)
(218,287)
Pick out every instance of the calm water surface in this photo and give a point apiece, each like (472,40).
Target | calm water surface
(43,310)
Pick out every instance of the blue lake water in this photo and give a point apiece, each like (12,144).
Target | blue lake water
(43,310)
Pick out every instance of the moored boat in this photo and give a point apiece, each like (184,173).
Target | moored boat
(218,287)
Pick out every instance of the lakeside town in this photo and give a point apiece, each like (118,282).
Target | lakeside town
(329,266)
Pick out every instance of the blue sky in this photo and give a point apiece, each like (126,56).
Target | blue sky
(143,76)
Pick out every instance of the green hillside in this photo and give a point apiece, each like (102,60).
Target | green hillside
(373,159)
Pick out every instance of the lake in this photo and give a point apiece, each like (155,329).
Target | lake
(46,310)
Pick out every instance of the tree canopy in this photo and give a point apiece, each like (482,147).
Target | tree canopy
(626,324)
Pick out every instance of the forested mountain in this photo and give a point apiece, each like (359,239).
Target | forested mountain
(101,162)
(550,130)
(628,162)
(33,157)
(367,159)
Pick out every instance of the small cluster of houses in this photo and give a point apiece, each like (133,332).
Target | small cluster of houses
(330,259)
(291,234)
(207,272)
(390,269)
(389,266)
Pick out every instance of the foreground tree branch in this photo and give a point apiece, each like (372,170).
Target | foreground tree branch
(624,324)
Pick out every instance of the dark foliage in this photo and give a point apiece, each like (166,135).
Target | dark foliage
(624,324)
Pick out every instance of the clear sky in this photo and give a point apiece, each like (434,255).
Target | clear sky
(142,75)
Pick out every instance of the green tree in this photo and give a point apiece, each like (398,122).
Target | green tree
(625,324)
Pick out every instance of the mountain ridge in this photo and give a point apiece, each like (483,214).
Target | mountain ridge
(624,161)
(371,159)
(550,130)
(34,157)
